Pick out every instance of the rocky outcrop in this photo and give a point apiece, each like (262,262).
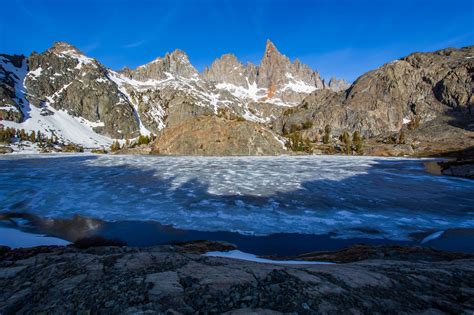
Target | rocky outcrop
(172,279)
(211,135)
(173,64)
(361,252)
(10,103)
(276,80)
(283,79)
(4,150)
(63,78)
(337,85)
(228,69)
(459,168)
(404,93)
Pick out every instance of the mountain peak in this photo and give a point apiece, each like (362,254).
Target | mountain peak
(229,57)
(174,63)
(336,84)
(227,69)
(62,47)
(270,48)
(178,54)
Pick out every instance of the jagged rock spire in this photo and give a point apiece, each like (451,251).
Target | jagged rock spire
(175,63)
(227,69)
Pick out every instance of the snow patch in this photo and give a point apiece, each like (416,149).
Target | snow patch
(432,236)
(35,73)
(237,254)
(252,92)
(299,87)
(14,238)
(81,59)
(9,108)
(120,81)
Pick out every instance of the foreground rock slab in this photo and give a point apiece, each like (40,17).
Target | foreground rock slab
(173,280)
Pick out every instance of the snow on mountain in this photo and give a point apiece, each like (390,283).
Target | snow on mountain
(50,121)
(64,93)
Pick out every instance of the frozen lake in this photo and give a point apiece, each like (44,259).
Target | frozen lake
(347,197)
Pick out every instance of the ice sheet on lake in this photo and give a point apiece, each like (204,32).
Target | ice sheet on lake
(347,196)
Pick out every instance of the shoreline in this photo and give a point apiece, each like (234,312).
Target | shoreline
(142,234)
(290,154)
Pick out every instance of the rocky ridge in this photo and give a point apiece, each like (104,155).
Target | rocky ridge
(151,97)
(65,79)
(276,79)
(426,96)
(421,87)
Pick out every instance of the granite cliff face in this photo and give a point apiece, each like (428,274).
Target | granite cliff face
(337,85)
(276,80)
(410,92)
(211,135)
(169,90)
(63,78)
(10,103)
(173,64)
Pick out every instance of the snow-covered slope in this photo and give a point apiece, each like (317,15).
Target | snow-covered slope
(48,120)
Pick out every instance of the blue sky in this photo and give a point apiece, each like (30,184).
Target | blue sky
(337,38)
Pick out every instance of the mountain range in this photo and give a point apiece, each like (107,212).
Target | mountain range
(236,108)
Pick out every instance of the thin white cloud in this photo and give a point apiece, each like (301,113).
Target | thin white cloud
(135,44)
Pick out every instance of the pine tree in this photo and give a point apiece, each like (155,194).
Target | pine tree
(346,139)
(327,134)
(23,135)
(39,137)
(5,136)
(33,136)
(143,140)
(357,140)
(115,146)
(308,124)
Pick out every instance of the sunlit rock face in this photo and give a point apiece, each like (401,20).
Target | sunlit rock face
(65,79)
(209,135)
(276,79)
(422,87)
